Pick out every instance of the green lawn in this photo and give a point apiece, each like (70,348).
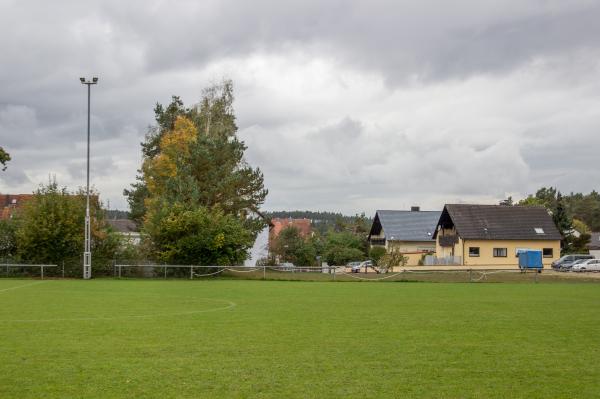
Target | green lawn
(284,339)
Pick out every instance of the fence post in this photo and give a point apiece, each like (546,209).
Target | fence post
(191,272)
(470,275)
(334,273)
(165,267)
(63,268)
(264,272)
(42,271)
(119,271)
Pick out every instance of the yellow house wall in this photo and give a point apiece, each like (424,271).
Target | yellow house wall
(406,247)
(486,253)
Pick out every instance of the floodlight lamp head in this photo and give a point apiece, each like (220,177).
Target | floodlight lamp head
(95,79)
(82,80)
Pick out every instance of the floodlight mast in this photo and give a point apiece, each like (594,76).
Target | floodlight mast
(87,252)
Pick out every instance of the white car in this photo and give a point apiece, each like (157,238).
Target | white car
(590,265)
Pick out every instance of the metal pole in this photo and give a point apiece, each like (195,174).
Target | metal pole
(264,272)
(191,272)
(87,254)
(42,271)
(63,269)
(334,273)
(87,251)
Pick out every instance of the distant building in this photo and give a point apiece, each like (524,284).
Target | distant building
(594,245)
(11,203)
(126,228)
(278,224)
(492,235)
(410,232)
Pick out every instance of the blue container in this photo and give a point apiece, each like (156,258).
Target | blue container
(530,259)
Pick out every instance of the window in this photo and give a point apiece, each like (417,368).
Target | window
(500,252)
(539,230)
(474,252)
(548,252)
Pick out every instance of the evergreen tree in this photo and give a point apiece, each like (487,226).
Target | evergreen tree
(194,163)
(561,217)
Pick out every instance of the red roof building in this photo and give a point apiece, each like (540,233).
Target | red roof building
(10,203)
(278,224)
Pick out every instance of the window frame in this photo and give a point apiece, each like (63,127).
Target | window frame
(547,249)
(478,252)
(505,250)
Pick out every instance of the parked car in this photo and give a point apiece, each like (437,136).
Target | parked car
(590,265)
(365,265)
(354,266)
(287,266)
(567,260)
(568,266)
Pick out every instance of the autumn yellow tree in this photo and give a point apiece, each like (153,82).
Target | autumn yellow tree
(174,146)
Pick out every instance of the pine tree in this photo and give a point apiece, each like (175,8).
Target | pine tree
(194,171)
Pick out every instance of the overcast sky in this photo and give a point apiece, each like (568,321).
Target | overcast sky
(346,106)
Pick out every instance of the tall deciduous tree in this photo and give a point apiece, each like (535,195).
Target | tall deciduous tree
(50,227)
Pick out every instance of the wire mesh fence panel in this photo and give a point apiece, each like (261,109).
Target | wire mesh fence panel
(31,270)
(150,269)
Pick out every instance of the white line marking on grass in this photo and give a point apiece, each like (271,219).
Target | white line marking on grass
(21,286)
(230,305)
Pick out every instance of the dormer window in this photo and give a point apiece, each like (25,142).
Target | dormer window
(539,230)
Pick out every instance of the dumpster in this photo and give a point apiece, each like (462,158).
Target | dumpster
(530,259)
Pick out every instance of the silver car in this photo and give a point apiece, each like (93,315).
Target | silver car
(354,267)
(567,267)
(590,265)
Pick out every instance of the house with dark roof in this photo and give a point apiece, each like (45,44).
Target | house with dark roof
(492,235)
(410,232)
(594,244)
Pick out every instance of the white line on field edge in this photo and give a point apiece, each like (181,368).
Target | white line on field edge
(21,286)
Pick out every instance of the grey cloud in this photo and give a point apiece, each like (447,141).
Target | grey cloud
(345,105)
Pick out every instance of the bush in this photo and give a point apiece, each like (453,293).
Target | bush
(199,236)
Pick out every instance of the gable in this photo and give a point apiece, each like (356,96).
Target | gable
(498,222)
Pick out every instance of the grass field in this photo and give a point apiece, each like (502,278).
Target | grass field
(283,339)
